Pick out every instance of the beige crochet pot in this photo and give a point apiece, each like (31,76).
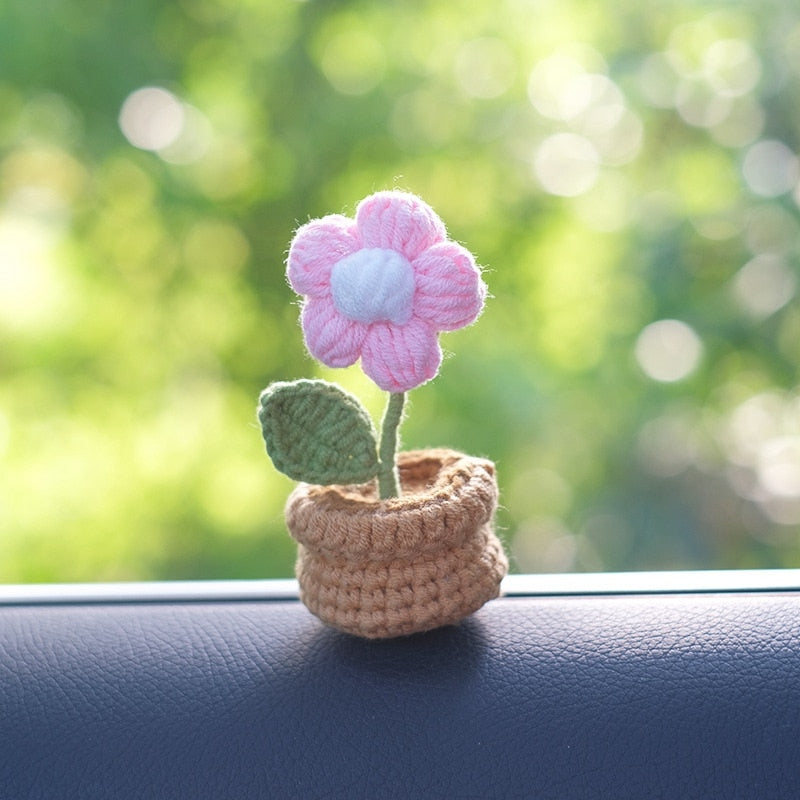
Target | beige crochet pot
(383,568)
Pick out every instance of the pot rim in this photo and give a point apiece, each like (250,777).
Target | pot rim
(451,496)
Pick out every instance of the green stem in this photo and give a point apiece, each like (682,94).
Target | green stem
(388,480)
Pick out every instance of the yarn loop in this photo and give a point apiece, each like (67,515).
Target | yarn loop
(381,287)
(373,285)
(384,568)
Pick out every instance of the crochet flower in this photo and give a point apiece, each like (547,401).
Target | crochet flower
(381,287)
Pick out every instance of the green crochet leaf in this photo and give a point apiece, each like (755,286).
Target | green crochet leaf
(318,433)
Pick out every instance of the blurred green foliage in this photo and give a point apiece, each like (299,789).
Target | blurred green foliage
(626,172)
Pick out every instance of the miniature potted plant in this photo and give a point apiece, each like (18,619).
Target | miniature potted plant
(388,544)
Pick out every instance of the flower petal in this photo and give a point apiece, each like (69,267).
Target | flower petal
(331,337)
(399,221)
(450,292)
(316,247)
(398,358)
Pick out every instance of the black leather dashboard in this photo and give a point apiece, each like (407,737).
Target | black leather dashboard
(542,694)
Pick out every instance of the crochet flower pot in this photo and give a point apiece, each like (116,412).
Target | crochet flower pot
(388,545)
(384,568)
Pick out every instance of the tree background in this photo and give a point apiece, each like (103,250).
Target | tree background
(625,172)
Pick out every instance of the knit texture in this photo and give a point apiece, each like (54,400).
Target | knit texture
(386,568)
(381,287)
(315,431)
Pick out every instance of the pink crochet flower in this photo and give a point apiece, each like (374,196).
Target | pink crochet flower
(381,287)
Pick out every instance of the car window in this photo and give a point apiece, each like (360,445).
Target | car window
(626,175)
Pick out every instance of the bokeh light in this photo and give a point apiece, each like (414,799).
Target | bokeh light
(627,176)
(566,164)
(770,168)
(350,57)
(731,67)
(485,67)
(762,441)
(151,118)
(668,350)
(764,285)
(33,290)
